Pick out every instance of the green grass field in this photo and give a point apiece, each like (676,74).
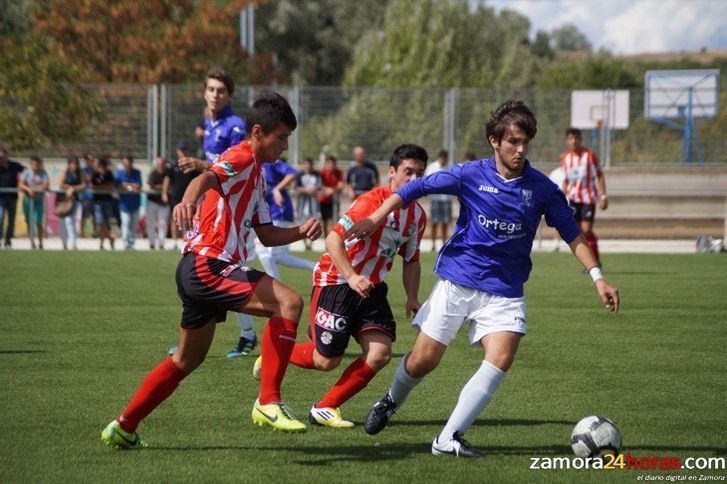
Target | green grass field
(78,332)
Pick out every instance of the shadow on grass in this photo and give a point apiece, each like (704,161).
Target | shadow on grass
(504,422)
(21,352)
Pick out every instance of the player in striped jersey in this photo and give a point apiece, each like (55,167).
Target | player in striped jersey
(349,292)
(584,185)
(212,279)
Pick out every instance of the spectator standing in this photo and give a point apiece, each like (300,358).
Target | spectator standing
(102,182)
(470,156)
(441,205)
(362,176)
(86,197)
(128,182)
(10,172)
(308,184)
(34,182)
(179,180)
(332,180)
(157,204)
(71,180)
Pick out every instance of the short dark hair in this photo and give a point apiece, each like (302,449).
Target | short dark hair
(511,112)
(308,159)
(128,157)
(574,131)
(332,158)
(268,110)
(443,153)
(104,161)
(470,155)
(36,158)
(407,151)
(223,76)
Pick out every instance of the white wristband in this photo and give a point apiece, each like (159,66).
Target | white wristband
(595,273)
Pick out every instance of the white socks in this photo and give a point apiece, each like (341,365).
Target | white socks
(246,328)
(402,384)
(473,399)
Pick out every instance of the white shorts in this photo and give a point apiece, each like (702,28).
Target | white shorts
(450,306)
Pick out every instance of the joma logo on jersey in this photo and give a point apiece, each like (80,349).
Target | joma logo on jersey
(485,188)
(330,321)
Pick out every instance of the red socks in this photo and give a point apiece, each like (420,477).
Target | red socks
(592,241)
(156,387)
(302,355)
(353,380)
(277,344)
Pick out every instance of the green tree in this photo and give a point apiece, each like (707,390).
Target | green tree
(40,98)
(569,38)
(600,71)
(313,41)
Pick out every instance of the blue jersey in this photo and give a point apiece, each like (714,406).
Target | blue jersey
(274,173)
(128,202)
(225,132)
(491,244)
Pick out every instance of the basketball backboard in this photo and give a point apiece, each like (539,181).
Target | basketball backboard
(681,93)
(597,109)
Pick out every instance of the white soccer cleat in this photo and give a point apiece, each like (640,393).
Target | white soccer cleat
(456,446)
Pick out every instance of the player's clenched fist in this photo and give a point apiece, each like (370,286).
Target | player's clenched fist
(310,229)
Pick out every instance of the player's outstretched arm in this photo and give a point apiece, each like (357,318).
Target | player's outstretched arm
(608,293)
(367,226)
(336,248)
(272,236)
(184,211)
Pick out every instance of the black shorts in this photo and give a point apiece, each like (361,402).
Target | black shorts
(338,312)
(583,211)
(326,210)
(209,288)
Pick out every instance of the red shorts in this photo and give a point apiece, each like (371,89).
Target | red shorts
(209,288)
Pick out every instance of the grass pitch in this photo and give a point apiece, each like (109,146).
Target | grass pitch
(79,330)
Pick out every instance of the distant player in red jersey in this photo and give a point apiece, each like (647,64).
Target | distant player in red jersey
(218,210)
(584,185)
(349,293)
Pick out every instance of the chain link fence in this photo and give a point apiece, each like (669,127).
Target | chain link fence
(149,120)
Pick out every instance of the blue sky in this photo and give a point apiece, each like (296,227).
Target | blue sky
(632,26)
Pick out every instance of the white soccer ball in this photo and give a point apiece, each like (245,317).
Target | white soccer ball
(595,436)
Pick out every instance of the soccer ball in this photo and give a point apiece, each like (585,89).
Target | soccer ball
(595,436)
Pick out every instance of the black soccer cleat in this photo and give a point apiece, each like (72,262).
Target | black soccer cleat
(455,446)
(379,415)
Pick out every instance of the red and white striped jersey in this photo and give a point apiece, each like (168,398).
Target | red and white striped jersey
(581,170)
(373,256)
(223,221)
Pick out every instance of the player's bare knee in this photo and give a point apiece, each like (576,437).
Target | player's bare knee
(291,306)
(502,361)
(325,363)
(418,367)
(378,359)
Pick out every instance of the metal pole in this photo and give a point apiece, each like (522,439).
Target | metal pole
(149,130)
(155,122)
(163,151)
(251,30)
(294,145)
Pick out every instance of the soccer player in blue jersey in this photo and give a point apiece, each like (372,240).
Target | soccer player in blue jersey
(222,130)
(482,269)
